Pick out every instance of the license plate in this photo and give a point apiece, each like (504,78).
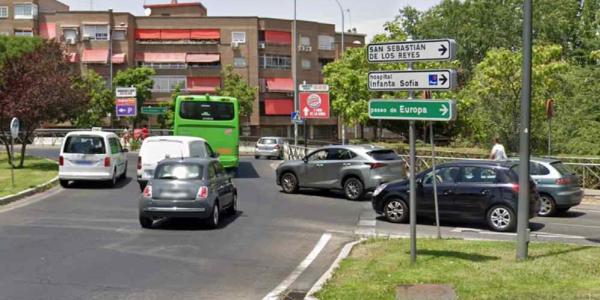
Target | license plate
(83,162)
(172,195)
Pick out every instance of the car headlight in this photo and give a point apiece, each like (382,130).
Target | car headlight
(379,189)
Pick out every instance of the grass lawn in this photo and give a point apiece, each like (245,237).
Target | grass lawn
(476,269)
(34,172)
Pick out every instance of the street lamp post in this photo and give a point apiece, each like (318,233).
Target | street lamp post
(342,52)
(294,77)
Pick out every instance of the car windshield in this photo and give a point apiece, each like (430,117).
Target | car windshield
(384,155)
(561,168)
(83,144)
(179,171)
(268,141)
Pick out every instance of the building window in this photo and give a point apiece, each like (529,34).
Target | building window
(119,35)
(305,41)
(326,42)
(95,32)
(70,35)
(26,11)
(168,83)
(306,64)
(275,62)
(164,66)
(239,62)
(238,37)
(23,33)
(3,11)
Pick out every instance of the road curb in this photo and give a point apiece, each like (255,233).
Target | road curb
(336,263)
(29,192)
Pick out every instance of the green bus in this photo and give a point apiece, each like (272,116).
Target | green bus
(213,118)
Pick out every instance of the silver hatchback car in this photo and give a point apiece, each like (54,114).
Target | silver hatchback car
(355,169)
(188,188)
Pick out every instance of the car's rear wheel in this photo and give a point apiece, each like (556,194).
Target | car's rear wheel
(145,222)
(142,186)
(213,220)
(353,188)
(124,175)
(395,210)
(501,218)
(113,181)
(289,183)
(547,206)
(64,183)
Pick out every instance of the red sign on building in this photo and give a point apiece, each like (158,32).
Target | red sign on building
(314,105)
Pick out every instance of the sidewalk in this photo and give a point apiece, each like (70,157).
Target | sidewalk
(591,197)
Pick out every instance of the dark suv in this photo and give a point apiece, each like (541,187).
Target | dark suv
(467,190)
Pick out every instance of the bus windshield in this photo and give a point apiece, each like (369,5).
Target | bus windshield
(200,110)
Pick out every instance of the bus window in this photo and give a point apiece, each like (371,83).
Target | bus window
(214,111)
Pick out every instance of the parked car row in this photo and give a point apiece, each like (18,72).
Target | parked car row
(472,190)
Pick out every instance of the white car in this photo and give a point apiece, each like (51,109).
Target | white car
(91,156)
(157,148)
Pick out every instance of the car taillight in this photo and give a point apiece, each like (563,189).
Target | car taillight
(61,161)
(107,162)
(277,147)
(202,193)
(139,164)
(376,165)
(563,181)
(515,187)
(148,191)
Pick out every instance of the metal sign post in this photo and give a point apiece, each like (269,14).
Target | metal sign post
(434,172)
(412,110)
(14,133)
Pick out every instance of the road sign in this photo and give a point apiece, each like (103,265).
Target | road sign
(14,128)
(126,107)
(432,50)
(412,80)
(313,88)
(125,92)
(154,110)
(314,105)
(296,118)
(419,110)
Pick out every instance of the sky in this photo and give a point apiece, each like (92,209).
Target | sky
(367,16)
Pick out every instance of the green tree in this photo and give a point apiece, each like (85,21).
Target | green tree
(235,86)
(166,120)
(140,78)
(490,104)
(100,100)
(13,47)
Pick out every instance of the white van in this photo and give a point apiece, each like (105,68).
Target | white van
(157,148)
(91,155)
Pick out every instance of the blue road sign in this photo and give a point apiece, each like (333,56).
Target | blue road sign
(126,111)
(433,79)
(296,118)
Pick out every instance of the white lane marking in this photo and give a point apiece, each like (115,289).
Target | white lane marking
(30,200)
(275,293)
(364,222)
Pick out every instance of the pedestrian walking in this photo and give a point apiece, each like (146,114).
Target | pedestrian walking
(126,137)
(145,132)
(498,151)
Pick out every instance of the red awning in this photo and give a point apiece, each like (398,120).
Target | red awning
(203,84)
(174,34)
(278,37)
(203,58)
(161,57)
(118,58)
(279,106)
(205,34)
(280,85)
(72,57)
(95,56)
(48,30)
(147,34)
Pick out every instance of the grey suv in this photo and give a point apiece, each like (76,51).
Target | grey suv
(355,169)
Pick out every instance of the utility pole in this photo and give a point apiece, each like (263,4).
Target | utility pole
(523,205)
(294,75)
(340,56)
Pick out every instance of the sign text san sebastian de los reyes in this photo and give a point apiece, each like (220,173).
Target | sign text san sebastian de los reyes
(430,50)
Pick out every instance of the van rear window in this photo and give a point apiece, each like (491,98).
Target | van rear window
(83,144)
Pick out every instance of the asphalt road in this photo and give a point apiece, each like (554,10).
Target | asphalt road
(85,242)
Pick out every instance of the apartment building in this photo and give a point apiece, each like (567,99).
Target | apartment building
(187,47)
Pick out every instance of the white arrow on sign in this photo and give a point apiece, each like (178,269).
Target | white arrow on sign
(444,110)
(432,50)
(306,110)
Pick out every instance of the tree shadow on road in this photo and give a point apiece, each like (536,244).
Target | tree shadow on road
(189,224)
(92,185)
(568,215)
(475,257)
